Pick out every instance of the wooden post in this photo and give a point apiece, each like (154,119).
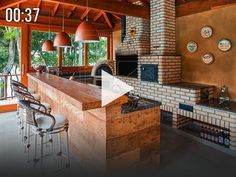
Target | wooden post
(25,53)
(110,49)
(86,63)
(60,56)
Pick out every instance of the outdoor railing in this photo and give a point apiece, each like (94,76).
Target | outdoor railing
(6,91)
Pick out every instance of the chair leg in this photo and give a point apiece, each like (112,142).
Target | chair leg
(59,140)
(28,138)
(41,136)
(35,148)
(68,149)
(24,128)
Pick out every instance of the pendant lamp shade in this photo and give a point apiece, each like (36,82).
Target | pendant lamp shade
(48,46)
(86,33)
(62,39)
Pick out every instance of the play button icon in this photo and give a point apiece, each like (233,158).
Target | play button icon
(112,88)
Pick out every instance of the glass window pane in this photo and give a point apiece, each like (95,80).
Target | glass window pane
(38,57)
(97,51)
(10,44)
(73,56)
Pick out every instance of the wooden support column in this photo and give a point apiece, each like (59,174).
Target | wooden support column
(86,63)
(25,53)
(60,56)
(110,47)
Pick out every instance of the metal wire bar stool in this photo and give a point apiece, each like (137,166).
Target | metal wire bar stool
(46,124)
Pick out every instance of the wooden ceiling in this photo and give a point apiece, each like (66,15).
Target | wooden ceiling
(187,7)
(104,14)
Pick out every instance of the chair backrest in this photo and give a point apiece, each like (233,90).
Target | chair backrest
(22,95)
(34,111)
(17,83)
(17,86)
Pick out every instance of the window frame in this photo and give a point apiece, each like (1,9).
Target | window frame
(56,29)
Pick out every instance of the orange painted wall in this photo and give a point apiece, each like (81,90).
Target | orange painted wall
(223,70)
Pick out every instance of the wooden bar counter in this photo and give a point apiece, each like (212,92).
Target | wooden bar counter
(103,137)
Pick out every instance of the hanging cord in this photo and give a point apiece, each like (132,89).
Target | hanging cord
(49,34)
(87,9)
(63,20)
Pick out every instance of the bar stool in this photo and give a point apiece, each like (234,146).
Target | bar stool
(26,123)
(46,124)
(32,91)
(19,86)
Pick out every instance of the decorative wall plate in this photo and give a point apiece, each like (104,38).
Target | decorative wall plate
(206,32)
(208,58)
(224,45)
(192,47)
(132,31)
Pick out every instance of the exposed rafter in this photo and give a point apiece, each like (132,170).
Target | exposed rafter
(71,12)
(56,21)
(112,6)
(10,3)
(116,16)
(97,16)
(54,11)
(85,14)
(107,19)
(39,3)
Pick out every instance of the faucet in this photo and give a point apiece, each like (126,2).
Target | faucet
(224,97)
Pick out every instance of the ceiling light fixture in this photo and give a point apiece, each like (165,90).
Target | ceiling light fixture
(62,39)
(48,44)
(86,32)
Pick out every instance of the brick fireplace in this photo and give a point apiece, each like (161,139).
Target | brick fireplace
(154,43)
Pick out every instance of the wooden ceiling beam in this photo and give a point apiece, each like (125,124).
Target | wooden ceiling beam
(107,19)
(54,11)
(116,16)
(85,14)
(198,6)
(112,6)
(57,21)
(39,3)
(71,12)
(10,3)
(97,16)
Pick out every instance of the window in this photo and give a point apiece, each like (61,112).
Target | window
(38,57)
(10,52)
(10,44)
(73,56)
(97,51)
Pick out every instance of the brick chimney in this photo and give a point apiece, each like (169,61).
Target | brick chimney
(154,41)
(162,27)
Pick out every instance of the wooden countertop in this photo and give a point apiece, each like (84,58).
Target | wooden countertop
(87,96)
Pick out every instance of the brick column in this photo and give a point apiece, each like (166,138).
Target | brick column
(163,27)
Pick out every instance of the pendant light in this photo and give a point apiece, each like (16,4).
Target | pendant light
(86,32)
(62,39)
(48,44)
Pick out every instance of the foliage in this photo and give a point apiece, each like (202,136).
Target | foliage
(38,57)
(74,55)
(97,51)
(6,35)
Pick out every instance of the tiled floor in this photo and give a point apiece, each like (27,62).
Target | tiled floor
(180,156)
